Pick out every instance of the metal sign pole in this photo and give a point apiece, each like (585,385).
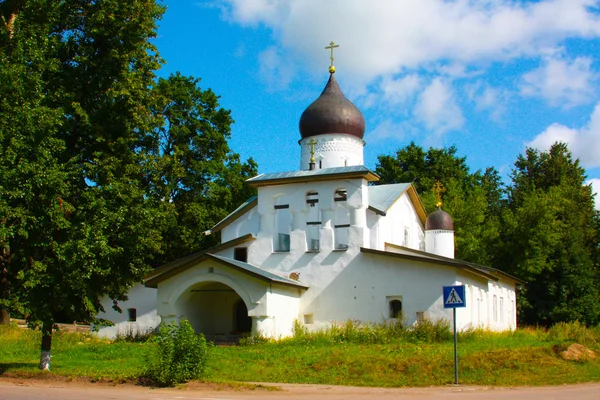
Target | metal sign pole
(454,297)
(455,353)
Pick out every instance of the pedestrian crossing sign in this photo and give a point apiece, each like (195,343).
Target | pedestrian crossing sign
(454,296)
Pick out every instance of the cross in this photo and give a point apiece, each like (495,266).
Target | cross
(312,149)
(331,47)
(438,189)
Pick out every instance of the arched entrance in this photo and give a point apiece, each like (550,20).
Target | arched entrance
(242,323)
(214,309)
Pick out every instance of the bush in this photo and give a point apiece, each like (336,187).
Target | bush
(431,332)
(571,332)
(181,355)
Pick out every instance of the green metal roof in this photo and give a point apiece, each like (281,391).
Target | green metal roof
(382,197)
(269,276)
(316,174)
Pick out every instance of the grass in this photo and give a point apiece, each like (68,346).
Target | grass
(348,354)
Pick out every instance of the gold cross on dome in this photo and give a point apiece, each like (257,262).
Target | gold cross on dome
(438,190)
(331,46)
(312,144)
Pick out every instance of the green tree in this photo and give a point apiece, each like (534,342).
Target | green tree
(195,178)
(550,238)
(472,199)
(74,98)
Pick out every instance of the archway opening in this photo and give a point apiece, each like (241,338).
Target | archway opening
(215,309)
(242,323)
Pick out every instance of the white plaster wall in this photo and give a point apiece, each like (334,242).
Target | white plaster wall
(283,305)
(401,215)
(332,150)
(361,290)
(141,298)
(247,223)
(440,242)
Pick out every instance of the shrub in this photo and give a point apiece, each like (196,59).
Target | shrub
(181,355)
(571,332)
(430,332)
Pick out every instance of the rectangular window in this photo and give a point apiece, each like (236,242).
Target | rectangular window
(283,242)
(495,308)
(501,309)
(283,226)
(420,316)
(312,236)
(341,236)
(406,237)
(240,254)
(132,314)
(308,319)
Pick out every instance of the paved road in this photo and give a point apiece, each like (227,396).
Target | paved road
(64,391)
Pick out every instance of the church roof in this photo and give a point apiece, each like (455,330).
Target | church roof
(258,272)
(280,178)
(383,197)
(193,258)
(230,262)
(242,209)
(417,255)
(332,112)
(439,220)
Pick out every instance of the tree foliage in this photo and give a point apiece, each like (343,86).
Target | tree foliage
(195,178)
(104,170)
(542,228)
(473,199)
(550,238)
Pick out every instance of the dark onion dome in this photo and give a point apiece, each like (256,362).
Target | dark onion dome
(439,220)
(332,112)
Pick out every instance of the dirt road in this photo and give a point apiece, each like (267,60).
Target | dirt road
(30,390)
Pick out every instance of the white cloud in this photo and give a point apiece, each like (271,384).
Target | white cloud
(595,183)
(486,97)
(561,82)
(398,91)
(274,69)
(584,142)
(437,109)
(384,37)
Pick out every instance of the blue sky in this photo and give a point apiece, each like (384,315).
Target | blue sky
(488,76)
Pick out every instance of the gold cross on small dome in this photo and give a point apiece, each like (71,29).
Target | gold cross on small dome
(438,190)
(331,46)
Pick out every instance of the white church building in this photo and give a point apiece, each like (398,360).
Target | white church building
(321,245)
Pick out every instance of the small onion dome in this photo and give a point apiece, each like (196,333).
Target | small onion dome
(439,220)
(332,112)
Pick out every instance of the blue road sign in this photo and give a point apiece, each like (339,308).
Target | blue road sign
(454,296)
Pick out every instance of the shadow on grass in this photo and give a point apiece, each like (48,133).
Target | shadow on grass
(5,367)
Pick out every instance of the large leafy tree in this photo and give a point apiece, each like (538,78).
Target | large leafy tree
(74,98)
(195,179)
(550,238)
(473,199)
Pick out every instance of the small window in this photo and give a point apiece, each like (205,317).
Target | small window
(312,198)
(308,319)
(132,314)
(420,316)
(395,309)
(495,308)
(406,237)
(240,254)
(340,195)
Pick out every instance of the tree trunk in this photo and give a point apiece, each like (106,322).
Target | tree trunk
(4,316)
(46,345)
